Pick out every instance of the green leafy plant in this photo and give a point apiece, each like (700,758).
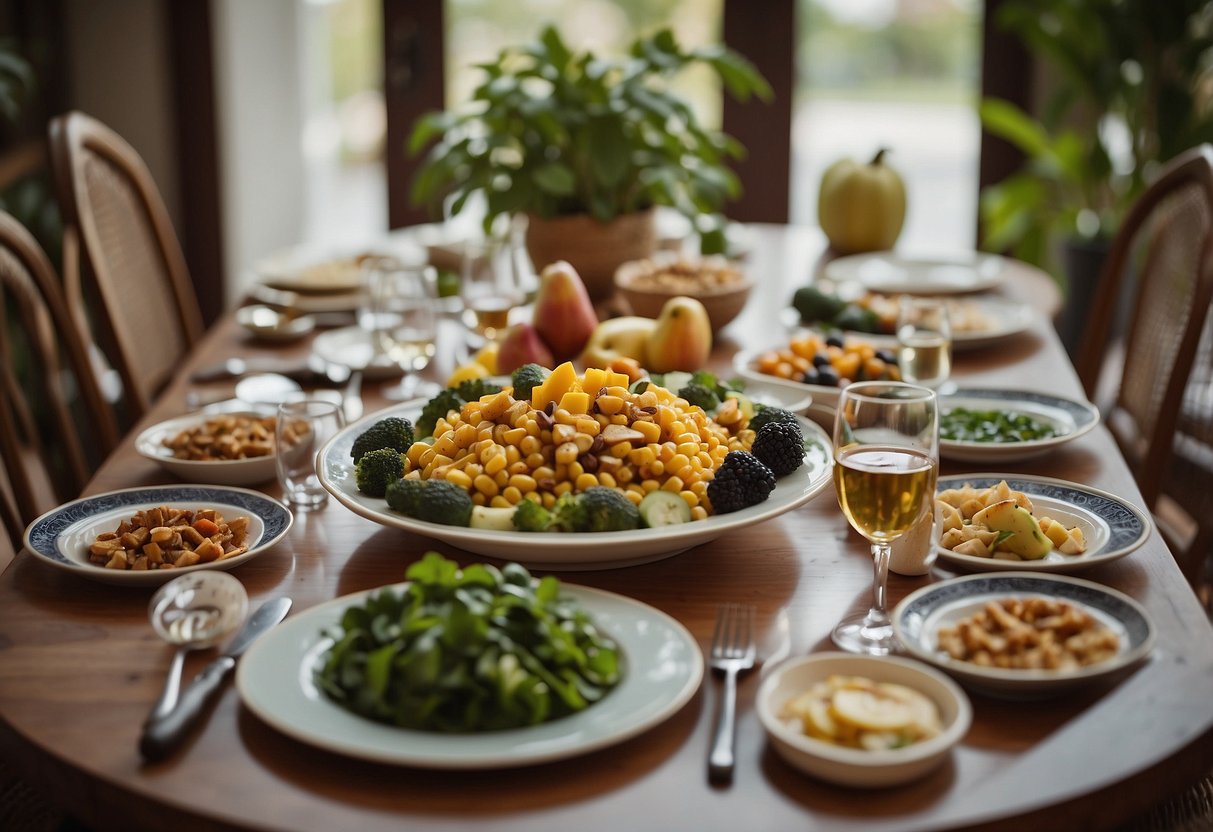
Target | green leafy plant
(552,132)
(1131,85)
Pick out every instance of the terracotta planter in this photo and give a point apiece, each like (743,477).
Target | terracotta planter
(594,248)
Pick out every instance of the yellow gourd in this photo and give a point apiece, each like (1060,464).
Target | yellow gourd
(861,207)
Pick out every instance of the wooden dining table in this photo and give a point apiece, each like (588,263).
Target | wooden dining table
(80,666)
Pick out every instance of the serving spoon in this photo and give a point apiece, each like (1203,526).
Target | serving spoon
(193,612)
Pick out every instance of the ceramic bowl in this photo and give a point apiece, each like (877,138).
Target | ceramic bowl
(250,471)
(851,766)
(636,282)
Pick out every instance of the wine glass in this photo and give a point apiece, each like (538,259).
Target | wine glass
(886,461)
(402,320)
(924,341)
(490,286)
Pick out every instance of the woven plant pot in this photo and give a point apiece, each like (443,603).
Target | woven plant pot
(595,249)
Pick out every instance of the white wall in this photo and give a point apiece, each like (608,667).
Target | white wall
(260,120)
(118,72)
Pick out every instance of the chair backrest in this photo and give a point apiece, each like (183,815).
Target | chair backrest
(42,444)
(119,234)
(1163,258)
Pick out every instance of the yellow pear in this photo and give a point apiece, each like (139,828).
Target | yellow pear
(618,338)
(682,339)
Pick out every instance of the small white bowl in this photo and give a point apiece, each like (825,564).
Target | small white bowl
(852,766)
(150,445)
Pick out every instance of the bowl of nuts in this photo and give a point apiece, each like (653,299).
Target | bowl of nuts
(714,281)
(218,449)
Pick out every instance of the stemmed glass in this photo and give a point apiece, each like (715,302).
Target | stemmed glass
(924,341)
(886,461)
(490,286)
(402,301)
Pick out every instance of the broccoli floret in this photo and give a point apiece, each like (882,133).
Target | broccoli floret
(444,502)
(392,432)
(525,379)
(607,510)
(530,516)
(703,396)
(473,388)
(764,415)
(568,515)
(437,408)
(404,496)
(378,469)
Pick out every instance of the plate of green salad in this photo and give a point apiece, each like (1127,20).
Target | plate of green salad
(472,668)
(1009,426)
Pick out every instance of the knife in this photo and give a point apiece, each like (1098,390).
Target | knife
(161,736)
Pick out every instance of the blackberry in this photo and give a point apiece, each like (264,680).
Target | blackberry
(740,482)
(771,414)
(780,447)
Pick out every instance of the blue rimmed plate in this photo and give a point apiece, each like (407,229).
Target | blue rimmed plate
(663,669)
(61,537)
(574,552)
(1068,418)
(919,617)
(1111,526)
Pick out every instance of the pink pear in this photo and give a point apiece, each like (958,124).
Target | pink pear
(564,315)
(522,345)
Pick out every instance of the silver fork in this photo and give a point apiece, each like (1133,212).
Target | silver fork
(733,652)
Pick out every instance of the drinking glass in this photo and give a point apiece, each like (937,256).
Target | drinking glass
(924,341)
(403,320)
(303,426)
(490,286)
(886,461)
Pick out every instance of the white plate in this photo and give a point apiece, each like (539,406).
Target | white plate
(1003,317)
(745,363)
(61,537)
(150,445)
(663,668)
(351,347)
(1112,527)
(312,271)
(573,552)
(887,272)
(918,618)
(776,392)
(1069,418)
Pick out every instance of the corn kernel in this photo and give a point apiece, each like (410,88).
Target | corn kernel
(699,513)
(690,497)
(485,485)
(523,483)
(500,502)
(495,464)
(566,453)
(606,479)
(585,481)
(511,494)
(563,488)
(515,436)
(651,431)
(459,478)
(588,426)
(673,485)
(633,497)
(650,485)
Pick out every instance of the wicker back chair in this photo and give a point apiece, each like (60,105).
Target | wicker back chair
(42,446)
(1161,270)
(119,236)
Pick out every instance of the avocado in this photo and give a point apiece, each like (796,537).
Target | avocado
(816,305)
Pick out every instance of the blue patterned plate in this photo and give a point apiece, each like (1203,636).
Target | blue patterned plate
(1069,419)
(61,537)
(1112,527)
(919,617)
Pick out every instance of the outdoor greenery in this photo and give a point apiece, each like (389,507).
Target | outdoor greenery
(1132,90)
(555,132)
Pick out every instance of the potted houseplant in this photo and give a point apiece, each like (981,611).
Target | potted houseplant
(586,146)
(1130,90)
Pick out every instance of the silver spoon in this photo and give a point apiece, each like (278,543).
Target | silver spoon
(192,612)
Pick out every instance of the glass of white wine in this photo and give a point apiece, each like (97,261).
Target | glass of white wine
(490,286)
(886,462)
(924,341)
(402,320)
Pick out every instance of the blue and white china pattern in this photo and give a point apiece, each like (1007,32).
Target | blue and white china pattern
(1112,527)
(270,521)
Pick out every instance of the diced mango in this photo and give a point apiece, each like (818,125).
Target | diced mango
(577,403)
(554,386)
(614,379)
(594,380)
